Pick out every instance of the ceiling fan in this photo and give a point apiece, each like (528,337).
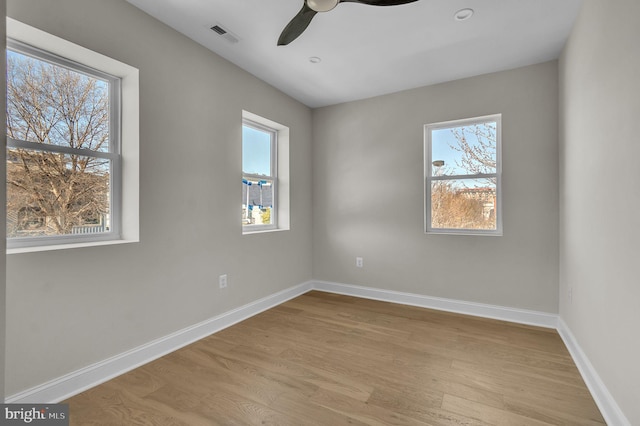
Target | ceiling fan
(301,21)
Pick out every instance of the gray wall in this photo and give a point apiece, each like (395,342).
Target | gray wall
(3,212)
(600,194)
(368,185)
(70,308)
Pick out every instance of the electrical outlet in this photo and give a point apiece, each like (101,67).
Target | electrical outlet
(222,281)
(359,262)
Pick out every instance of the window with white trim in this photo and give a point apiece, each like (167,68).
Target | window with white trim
(463,176)
(259,175)
(67,122)
(265,190)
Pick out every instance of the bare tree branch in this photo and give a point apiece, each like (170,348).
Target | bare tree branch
(477,144)
(49,104)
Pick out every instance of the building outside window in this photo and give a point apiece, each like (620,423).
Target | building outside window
(463,176)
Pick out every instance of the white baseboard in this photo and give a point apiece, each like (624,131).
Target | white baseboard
(80,380)
(521,316)
(610,410)
(85,378)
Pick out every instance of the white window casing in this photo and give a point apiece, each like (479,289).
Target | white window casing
(124,125)
(455,174)
(279,173)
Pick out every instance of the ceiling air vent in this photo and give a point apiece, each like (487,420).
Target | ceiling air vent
(224,33)
(219,29)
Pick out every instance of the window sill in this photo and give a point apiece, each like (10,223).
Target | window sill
(261,230)
(464,232)
(52,247)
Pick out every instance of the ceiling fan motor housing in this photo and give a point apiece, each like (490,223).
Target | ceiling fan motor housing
(322,5)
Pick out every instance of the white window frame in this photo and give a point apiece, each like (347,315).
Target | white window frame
(125,202)
(113,155)
(279,173)
(429,177)
(273,177)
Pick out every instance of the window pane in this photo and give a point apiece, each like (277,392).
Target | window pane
(56,194)
(256,151)
(257,201)
(463,204)
(51,104)
(464,150)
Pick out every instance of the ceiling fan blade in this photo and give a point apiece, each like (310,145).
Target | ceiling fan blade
(379,2)
(298,24)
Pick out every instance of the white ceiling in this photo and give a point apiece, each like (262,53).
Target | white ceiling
(366,50)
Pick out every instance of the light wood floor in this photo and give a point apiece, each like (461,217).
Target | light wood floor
(325,359)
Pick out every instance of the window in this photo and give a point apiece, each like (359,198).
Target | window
(259,175)
(265,190)
(63,155)
(72,116)
(462,176)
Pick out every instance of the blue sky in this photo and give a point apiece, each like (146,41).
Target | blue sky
(256,151)
(441,142)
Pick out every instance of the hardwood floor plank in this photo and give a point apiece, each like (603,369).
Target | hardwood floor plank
(327,359)
(488,414)
(334,379)
(305,412)
(361,411)
(413,402)
(558,412)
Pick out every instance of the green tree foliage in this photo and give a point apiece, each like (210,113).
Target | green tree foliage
(266,216)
